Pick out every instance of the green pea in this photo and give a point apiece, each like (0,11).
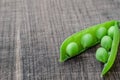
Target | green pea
(72,49)
(102,31)
(111,31)
(106,42)
(87,40)
(102,55)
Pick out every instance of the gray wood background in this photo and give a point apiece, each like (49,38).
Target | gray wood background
(31,32)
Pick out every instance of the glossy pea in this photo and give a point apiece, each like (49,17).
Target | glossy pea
(102,31)
(102,55)
(72,49)
(106,42)
(87,40)
(111,31)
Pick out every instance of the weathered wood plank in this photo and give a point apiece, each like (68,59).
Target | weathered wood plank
(31,32)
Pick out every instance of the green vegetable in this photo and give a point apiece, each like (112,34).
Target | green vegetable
(86,40)
(113,51)
(102,55)
(102,31)
(72,49)
(106,42)
(111,31)
(82,41)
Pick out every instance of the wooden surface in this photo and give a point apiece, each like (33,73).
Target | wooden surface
(31,32)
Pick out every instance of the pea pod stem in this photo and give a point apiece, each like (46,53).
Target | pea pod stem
(113,51)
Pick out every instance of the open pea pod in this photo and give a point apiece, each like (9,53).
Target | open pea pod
(80,41)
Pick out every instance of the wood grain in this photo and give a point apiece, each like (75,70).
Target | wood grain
(31,32)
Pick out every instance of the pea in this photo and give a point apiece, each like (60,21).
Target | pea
(102,31)
(111,31)
(106,42)
(102,55)
(72,49)
(87,40)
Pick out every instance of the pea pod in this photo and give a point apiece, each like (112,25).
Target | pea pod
(113,51)
(81,41)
